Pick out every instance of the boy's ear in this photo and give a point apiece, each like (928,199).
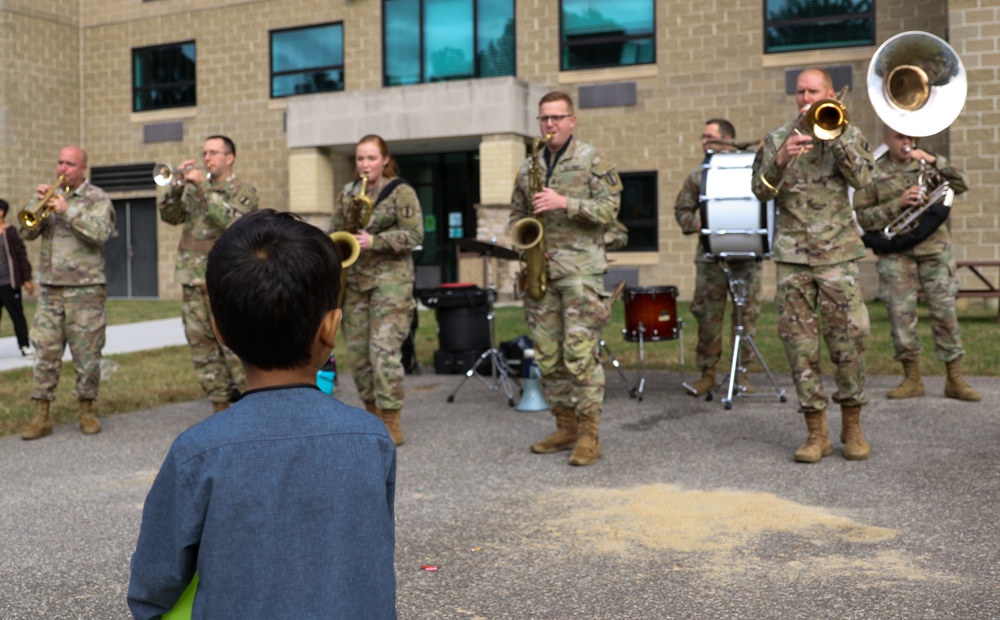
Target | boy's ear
(328,328)
(215,328)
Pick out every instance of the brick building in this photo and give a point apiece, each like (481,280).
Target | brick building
(452,85)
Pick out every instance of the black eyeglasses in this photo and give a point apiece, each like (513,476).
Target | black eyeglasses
(557,118)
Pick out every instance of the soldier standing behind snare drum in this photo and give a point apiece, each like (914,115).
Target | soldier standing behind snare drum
(816,252)
(205,201)
(73,291)
(711,284)
(928,265)
(579,200)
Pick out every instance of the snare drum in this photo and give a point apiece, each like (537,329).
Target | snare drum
(652,310)
(733,221)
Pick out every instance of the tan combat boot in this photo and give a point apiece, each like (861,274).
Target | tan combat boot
(565,436)
(89,425)
(817,445)
(371,408)
(707,382)
(40,425)
(912,385)
(855,446)
(391,419)
(955,386)
(745,384)
(588,448)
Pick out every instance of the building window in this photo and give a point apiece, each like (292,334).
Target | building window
(163,76)
(307,60)
(607,33)
(793,25)
(638,211)
(454,40)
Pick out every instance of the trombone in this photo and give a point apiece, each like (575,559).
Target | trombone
(32,219)
(825,119)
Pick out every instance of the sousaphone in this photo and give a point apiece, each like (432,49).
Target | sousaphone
(917,84)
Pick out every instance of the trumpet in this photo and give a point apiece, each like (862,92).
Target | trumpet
(825,119)
(32,219)
(164,175)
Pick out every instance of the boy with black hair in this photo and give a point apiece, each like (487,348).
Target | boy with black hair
(283,503)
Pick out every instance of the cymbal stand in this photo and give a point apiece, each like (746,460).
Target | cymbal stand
(602,347)
(499,370)
(739,287)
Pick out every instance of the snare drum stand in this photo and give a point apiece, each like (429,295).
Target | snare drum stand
(500,371)
(740,289)
(640,374)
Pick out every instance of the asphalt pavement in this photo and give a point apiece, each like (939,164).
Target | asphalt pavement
(694,511)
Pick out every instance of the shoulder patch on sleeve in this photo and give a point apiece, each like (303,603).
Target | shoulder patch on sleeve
(407,207)
(246,196)
(606,170)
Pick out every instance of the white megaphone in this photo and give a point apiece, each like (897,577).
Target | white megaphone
(531,391)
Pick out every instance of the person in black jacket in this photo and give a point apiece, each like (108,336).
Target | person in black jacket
(15,272)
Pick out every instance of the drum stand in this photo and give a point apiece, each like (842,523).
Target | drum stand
(640,375)
(499,370)
(740,290)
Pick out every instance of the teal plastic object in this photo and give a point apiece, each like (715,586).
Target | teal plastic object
(324,380)
(182,610)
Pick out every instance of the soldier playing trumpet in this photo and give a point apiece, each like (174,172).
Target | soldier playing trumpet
(578,201)
(72,290)
(205,201)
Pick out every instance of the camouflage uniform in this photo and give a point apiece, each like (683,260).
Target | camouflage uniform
(711,285)
(205,212)
(816,248)
(378,303)
(566,323)
(71,303)
(929,265)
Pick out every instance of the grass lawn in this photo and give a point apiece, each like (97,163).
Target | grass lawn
(151,379)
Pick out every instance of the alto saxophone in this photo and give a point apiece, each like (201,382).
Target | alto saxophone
(360,213)
(357,217)
(527,234)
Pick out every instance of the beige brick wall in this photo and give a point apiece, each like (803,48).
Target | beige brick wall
(975,32)
(39,96)
(709,63)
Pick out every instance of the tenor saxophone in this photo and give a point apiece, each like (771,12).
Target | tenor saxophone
(528,234)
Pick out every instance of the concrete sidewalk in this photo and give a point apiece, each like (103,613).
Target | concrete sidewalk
(126,338)
(693,511)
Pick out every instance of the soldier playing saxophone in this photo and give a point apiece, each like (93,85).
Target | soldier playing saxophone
(578,201)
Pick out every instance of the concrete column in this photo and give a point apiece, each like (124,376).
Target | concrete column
(310,184)
(500,157)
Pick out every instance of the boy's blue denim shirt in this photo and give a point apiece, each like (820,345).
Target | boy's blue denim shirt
(283,503)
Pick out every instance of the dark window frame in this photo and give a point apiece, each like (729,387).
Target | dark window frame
(869,15)
(651,223)
(476,61)
(193,82)
(323,68)
(604,39)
